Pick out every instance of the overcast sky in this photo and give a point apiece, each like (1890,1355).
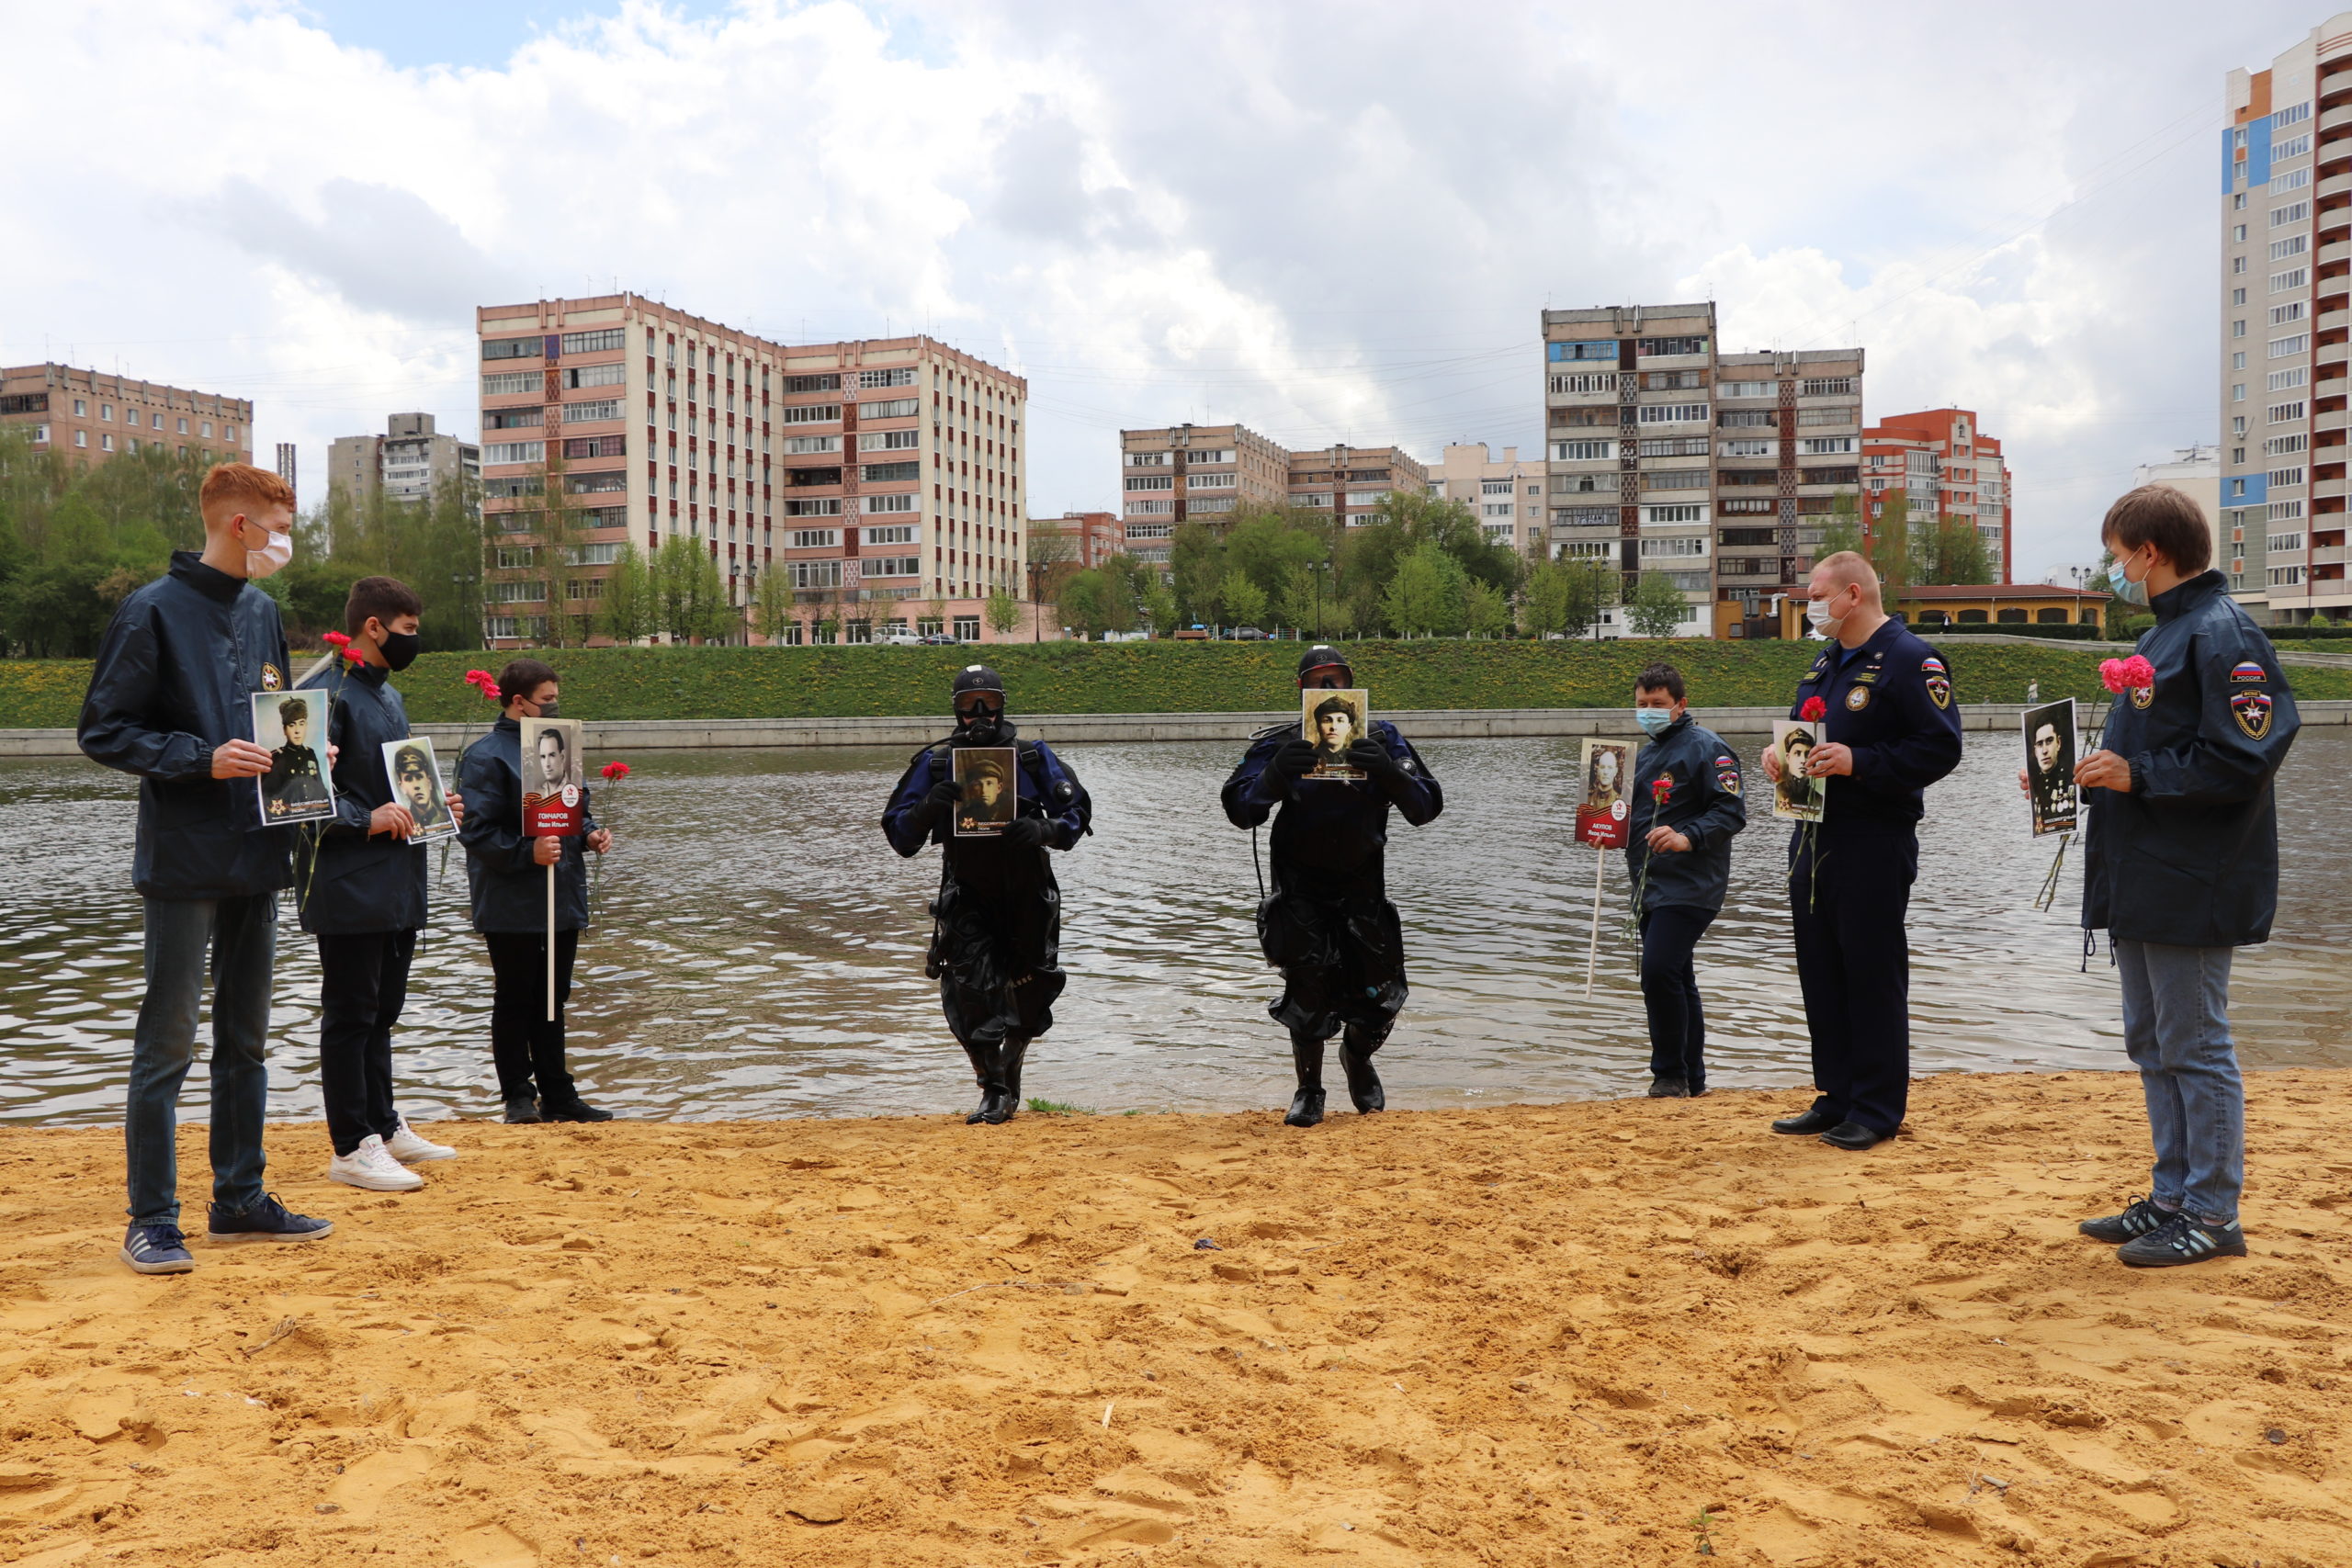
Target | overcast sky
(1329,221)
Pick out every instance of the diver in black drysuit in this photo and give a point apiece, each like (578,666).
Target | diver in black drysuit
(996,932)
(1328,925)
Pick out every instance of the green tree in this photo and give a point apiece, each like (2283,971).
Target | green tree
(1158,605)
(1657,606)
(1244,601)
(1196,568)
(1084,603)
(691,599)
(1843,532)
(1544,602)
(1890,552)
(772,609)
(1954,553)
(1428,594)
(629,611)
(1003,612)
(1486,613)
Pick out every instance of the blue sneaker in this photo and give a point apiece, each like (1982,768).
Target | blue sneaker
(266,1221)
(156,1249)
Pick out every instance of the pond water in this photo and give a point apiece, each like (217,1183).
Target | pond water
(759,948)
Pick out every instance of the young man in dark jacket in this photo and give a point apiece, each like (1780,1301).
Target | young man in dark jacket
(997,923)
(506,874)
(168,702)
(362,893)
(1329,927)
(2181,866)
(1687,804)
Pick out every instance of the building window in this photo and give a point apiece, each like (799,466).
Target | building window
(1651,514)
(512,347)
(888,473)
(1654,348)
(2283,412)
(889,441)
(896,408)
(799,443)
(2281,281)
(2294,245)
(2280,347)
(596,342)
(1601,349)
(901,502)
(1827,387)
(827,506)
(1151,481)
(2291,311)
(869,381)
(1583,451)
(1746,419)
(810,413)
(611,374)
(1674,413)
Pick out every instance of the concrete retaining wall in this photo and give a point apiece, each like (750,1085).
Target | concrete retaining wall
(1432,724)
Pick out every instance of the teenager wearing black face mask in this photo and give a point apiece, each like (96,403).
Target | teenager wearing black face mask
(363,898)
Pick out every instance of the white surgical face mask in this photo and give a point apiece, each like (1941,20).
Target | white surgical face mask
(1816,613)
(260,563)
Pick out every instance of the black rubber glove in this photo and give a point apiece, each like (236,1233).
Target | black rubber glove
(1025,832)
(1374,758)
(1293,758)
(936,803)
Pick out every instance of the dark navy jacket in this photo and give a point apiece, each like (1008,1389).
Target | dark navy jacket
(510,892)
(1049,790)
(179,661)
(1892,702)
(2189,858)
(362,883)
(1704,805)
(1329,824)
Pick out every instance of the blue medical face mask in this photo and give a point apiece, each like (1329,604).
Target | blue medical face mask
(2131,592)
(1654,721)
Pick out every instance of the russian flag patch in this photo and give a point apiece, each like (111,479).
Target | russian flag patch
(2248,669)
(1931,665)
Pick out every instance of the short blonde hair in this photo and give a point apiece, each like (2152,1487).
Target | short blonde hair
(243,486)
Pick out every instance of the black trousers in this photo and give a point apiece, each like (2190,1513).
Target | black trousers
(363,986)
(1851,888)
(1671,992)
(528,1049)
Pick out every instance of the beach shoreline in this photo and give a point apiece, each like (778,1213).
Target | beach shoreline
(1598,1332)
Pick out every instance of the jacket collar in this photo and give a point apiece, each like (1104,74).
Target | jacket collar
(507,726)
(366,674)
(2175,601)
(211,580)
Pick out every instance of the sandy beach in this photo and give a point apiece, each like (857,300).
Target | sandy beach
(1587,1335)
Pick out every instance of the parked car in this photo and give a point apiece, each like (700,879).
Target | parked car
(938,640)
(898,639)
(1191,634)
(1248,634)
(1126,636)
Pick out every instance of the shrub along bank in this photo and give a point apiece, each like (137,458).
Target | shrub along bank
(1145,677)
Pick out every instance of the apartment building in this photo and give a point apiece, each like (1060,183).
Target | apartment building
(1172,475)
(1505,493)
(1788,442)
(2286,288)
(1094,536)
(1946,467)
(410,463)
(871,472)
(1351,482)
(2196,472)
(90,415)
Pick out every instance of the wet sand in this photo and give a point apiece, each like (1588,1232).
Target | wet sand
(1549,1335)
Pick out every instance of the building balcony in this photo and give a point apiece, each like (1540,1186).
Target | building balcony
(2333,252)
(2328,554)
(2335,185)
(2330,354)
(2323,489)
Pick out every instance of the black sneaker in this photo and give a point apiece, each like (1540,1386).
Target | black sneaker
(1669,1089)
(2138,1218)
(572,1109)
(522,1109)
(266,1221)
(2181,1239)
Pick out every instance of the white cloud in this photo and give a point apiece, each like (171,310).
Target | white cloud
(1330,222)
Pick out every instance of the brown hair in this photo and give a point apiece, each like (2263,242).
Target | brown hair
(1661,678)
(522,677)
(386,598)
(242,484)
(2166,518)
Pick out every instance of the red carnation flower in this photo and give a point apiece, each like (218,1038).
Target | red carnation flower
(1814,711)
(334,639)
(614,771)
(355,656)
(484,682)
(1660,789)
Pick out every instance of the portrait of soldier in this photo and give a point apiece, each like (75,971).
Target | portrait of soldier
(555,762)
(990,801)
(2049,764)
(1601,789)
(1799,794)
(1335,721)
(418,789)
(294,782)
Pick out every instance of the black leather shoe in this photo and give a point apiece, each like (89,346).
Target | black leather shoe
(1814,1120)
(1853,1135)
(1669,1089)
(573,1110)
(1305,1108)
(522,1109)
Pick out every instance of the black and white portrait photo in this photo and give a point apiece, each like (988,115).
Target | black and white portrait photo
(2050,758)
(1798,797)
(292,727)
(1333,720)
(990,778)
(415,775)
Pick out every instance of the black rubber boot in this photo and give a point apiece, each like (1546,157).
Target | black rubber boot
(1363,1083)
(997,1104)
(1306,1105)
(1016,1052)
(979,1060)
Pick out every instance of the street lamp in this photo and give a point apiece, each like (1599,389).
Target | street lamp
(1321,569)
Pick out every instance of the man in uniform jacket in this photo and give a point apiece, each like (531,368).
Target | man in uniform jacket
(506,875)
(2181,866)
(1890,731)
(361,892)
(996,922)
(169,702)
(1687,806)
(1328,925)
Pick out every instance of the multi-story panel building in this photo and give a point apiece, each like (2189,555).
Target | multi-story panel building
(2196,472)
(872,472)
(1093,538)
(1349,482)
(1787,444)
(90,416)
(2286,292)
(1946,467)
(1505,494)
(410,463)
(1172,475)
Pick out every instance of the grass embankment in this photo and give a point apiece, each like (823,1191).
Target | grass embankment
(1155,677)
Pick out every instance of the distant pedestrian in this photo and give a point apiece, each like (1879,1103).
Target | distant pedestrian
(2181,864)
(169,701)
(1688,803)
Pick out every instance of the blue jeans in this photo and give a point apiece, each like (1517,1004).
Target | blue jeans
(240,937)
(2176,1027)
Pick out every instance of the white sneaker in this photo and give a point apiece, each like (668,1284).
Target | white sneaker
(369,1165)
(408,1146)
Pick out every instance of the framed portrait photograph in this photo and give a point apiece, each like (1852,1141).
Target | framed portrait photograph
(555,778)
(1797,798)
(1332,721)
(990,777)
(2051,749)
(292,727)
(415,775)
(1604,817)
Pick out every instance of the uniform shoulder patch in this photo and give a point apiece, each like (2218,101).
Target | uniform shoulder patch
(1940,689)
(2252,710)
(2247,670)
(1727,780)
(1858,698)
(270,679)
(1931,665)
